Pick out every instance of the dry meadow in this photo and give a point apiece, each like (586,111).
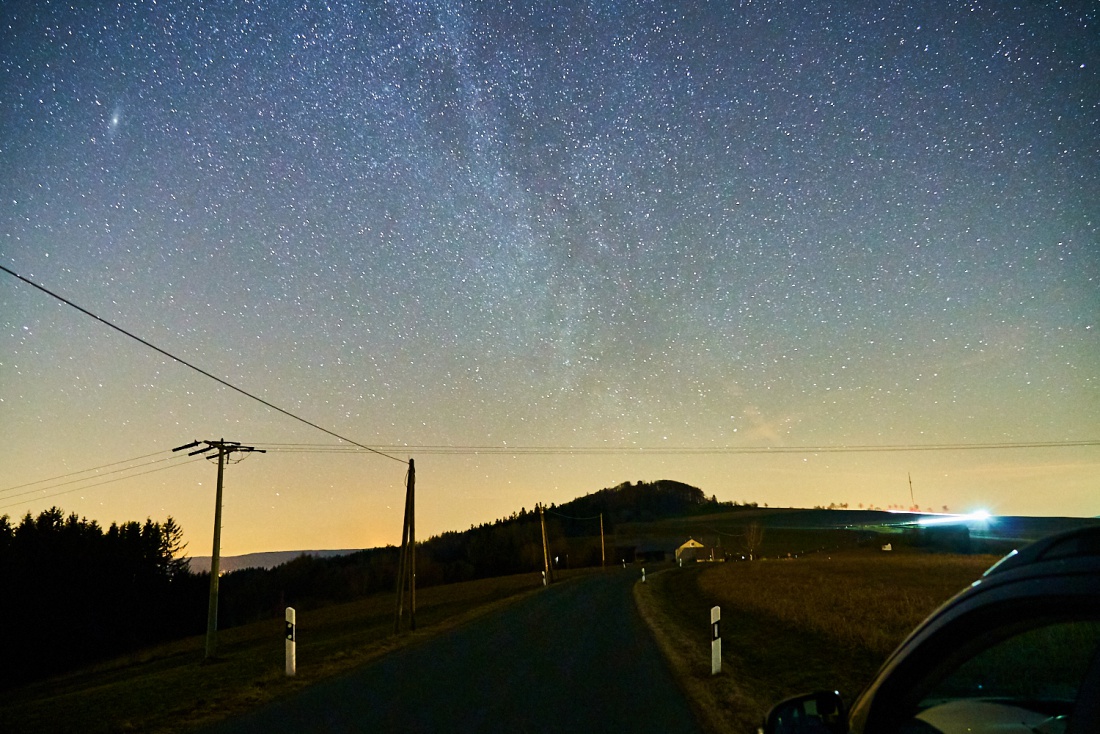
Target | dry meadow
(825,621)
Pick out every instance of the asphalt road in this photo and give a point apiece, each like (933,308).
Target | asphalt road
(575,657)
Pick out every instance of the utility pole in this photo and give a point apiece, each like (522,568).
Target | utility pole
(215,564)
(412,545)
(224,449)
(406,564)
(547,566)
(603,549)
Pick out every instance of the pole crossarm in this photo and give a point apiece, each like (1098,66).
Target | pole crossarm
(221,446)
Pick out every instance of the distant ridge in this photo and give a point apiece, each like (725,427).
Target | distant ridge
(270,559)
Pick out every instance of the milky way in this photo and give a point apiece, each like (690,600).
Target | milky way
(612,225)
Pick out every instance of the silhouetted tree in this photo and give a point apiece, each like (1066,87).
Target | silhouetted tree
(74,593)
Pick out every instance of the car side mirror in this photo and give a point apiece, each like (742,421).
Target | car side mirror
(821,712)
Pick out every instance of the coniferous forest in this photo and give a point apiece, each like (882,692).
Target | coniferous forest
(74,592)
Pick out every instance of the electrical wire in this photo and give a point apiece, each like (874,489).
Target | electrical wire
(545,450)
(682,450)
(201,371)
(728,535)
(107,481)
(82,471)
(87,479)
(570,517)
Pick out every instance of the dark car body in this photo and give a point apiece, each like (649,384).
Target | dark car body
(1017,651)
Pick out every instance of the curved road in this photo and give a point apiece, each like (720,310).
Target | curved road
(574,658)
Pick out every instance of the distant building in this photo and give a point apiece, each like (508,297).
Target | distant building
(695,551)
(653,552)
(688,551)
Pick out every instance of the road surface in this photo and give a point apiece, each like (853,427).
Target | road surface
(575,657)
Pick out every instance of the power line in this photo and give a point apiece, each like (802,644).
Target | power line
(85,479)
(729,535)
(107,481)
(82,471)
(570,517)
(201,371)
(678,450)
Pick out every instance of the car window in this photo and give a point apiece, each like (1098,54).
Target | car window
(811,714)
(1027,682)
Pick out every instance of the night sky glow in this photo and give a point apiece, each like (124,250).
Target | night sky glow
(607,226)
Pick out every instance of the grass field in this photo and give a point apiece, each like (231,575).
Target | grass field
(791,626)
(169,689)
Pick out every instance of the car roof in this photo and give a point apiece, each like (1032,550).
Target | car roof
(1082,544)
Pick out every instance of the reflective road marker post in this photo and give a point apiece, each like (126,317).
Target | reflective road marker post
(715,641)
(291,653)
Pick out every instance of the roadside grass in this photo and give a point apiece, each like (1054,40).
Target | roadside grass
(791,626)
(170,689)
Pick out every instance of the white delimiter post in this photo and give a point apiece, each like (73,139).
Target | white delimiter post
(715,641)
(291,641)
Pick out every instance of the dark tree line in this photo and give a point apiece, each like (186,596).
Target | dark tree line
(74,592)
(307,582)
(508,547)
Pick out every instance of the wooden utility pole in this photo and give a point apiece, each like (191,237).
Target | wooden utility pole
(401,559)
(548,567)
(603,549)
(215,564)
(412,545)
(224,449)
(406,565)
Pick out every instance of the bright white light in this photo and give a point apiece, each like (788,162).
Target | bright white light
(976,516)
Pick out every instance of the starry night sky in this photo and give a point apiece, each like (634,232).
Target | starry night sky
(615,226)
